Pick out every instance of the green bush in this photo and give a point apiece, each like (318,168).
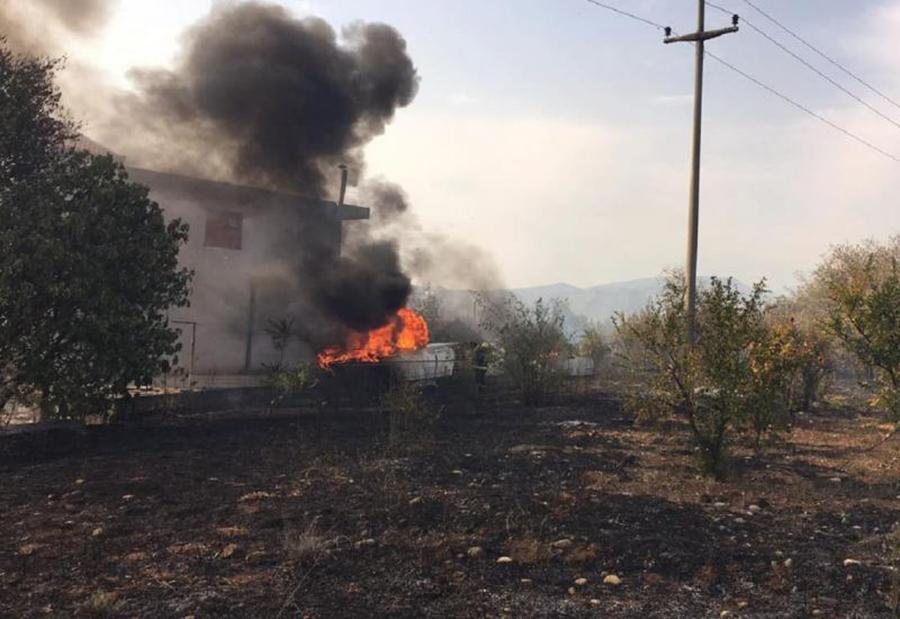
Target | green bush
(731,379)
(410,418)
(861,284)
(286,382)
(531,343)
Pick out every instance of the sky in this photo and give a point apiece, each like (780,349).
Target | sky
(556,134)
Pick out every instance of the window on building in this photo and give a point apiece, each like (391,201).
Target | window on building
(223,230)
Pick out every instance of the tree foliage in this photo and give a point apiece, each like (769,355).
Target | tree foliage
(797,322)
(862,286)
(88,266)
(592,343)
(531,340)
(734,376)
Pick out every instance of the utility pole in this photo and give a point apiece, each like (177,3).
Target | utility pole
(698,38)
(340,203)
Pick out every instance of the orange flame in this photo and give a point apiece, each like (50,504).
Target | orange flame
(406,330)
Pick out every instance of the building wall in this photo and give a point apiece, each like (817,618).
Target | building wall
(246,247)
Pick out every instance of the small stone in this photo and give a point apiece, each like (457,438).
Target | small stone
(612,580)
(456,472)
(97,532)
(725,613)
(228,551)
(562,543)
(475,552)
(571,590)
(834,480)
(754,509)
(743,604)
(79,481)
(739,521)
(415,501)
(525,581)
(503,560)
(26,550)
(789,563)
(595,602)
(720,504)
(818,612)
(851,562)
(581,581)
(127,497)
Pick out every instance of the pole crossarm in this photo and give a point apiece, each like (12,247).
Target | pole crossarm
(700,36)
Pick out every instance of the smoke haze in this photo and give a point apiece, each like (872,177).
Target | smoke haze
(43,26)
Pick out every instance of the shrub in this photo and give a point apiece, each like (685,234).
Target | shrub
(862,286)
(592,344)
(731,378)
(531,343)
(281,331)
(410,418)
(287,382)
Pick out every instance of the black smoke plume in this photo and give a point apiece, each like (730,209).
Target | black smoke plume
(260,97)
(278,100)
(366,289)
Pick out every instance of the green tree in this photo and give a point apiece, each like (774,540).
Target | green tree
(862,286)
(727,381)
(88,266)
(531,340)
(805,340)
(592,343)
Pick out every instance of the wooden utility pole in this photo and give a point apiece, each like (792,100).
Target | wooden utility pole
(698,38)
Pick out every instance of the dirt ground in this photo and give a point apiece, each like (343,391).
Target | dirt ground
(564,511)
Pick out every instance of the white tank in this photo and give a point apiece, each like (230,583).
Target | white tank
(429,363)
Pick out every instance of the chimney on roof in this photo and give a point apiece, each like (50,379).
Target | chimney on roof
(343,168)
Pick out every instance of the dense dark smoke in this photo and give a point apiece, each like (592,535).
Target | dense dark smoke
(260,97)
(276,98)
(42,26)
(387,201)
(366,288)
(263,98)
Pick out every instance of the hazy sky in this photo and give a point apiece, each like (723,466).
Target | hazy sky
(557,134)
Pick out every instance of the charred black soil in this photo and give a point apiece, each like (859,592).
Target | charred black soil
(564,511)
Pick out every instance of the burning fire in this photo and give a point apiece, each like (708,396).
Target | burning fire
(406,330)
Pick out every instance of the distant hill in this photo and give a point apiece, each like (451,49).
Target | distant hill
(595,303)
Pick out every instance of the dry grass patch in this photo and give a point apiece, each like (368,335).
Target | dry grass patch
(102,604)
(528,550)
(308,544)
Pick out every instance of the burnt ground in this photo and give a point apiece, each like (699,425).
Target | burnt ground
(251,516)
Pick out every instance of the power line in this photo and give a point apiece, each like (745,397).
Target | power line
(809,66)
(627,14)
(824,55)
(764,86)
(803,108)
